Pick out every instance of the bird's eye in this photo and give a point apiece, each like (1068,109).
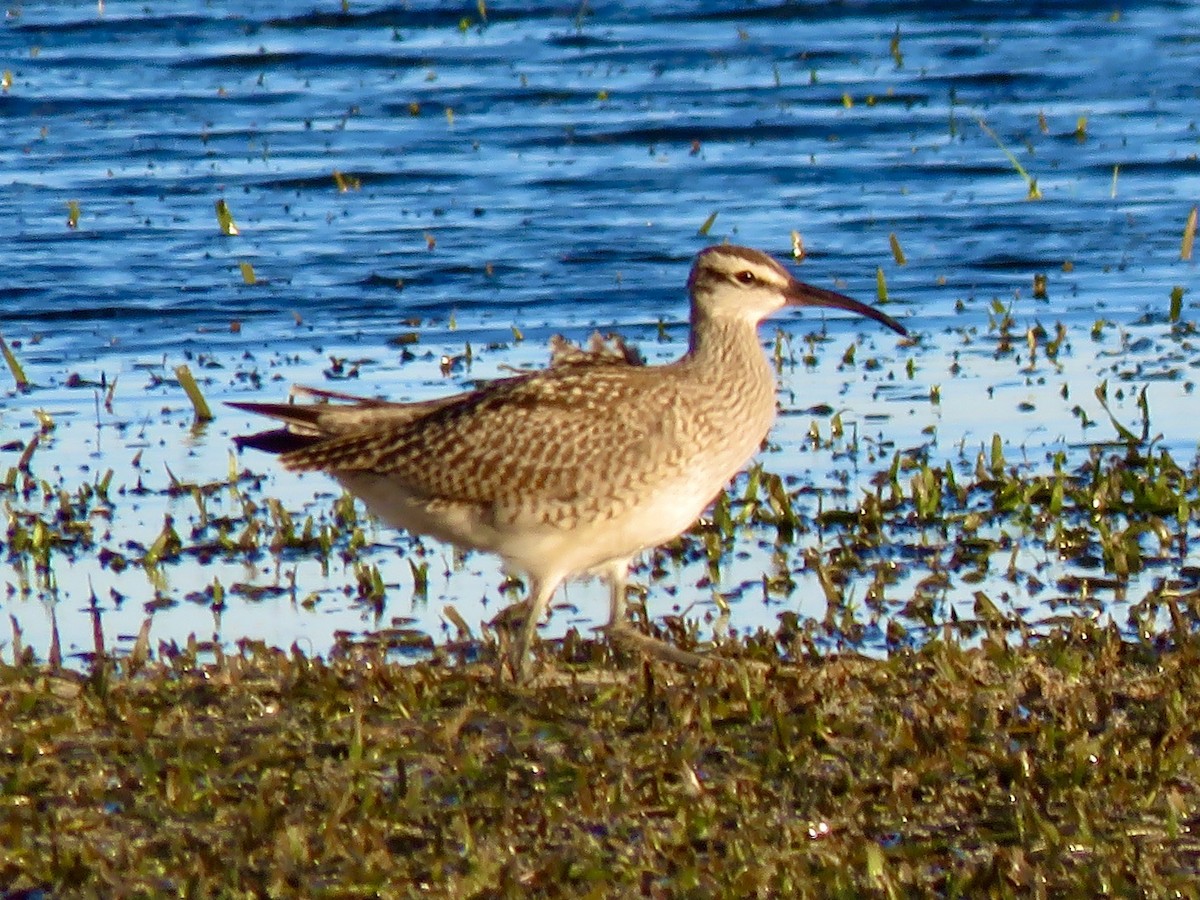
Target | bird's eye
(745,277)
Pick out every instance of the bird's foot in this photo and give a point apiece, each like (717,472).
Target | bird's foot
(626,635)
(513,653)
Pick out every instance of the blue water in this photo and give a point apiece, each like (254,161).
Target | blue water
(549,168)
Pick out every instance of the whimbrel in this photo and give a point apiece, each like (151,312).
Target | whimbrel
(575,469)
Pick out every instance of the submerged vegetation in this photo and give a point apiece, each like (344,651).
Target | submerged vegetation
(998,746)
(1096,534)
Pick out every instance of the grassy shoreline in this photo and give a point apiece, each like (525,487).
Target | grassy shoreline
(1067,765)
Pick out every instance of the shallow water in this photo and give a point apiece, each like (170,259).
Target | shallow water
(550,169)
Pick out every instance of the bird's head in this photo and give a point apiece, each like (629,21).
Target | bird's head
(728,281)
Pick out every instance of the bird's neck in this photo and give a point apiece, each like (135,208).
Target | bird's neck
(723,343)
(725,365)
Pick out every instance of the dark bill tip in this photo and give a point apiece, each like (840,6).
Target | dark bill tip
(806,295)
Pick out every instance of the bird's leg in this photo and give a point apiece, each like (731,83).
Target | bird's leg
(540,593)
(617,576)
(621,632)
(618,573)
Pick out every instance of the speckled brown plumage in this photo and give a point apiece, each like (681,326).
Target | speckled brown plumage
(580,436)
(579,467)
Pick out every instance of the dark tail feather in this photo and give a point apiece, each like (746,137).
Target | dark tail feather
(279,440)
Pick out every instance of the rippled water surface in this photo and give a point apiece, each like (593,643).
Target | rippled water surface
(425,170)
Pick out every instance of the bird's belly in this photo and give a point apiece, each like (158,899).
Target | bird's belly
(549,538)
(466,525)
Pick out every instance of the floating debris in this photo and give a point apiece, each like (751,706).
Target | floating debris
(1034,192)
(225,219)
(1189,236)
(199,405)
(14,366)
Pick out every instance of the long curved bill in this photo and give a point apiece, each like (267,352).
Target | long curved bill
(801,294)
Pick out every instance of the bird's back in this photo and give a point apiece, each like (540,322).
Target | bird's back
(581,439)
